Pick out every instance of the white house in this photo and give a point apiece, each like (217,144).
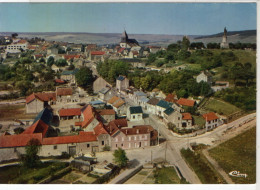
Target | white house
(135,113)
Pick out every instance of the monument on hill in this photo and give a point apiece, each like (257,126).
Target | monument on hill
(224,43)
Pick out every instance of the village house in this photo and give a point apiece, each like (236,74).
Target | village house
(211,121)
(70,113)
(138,95)
(105,94)
(135,113)
(143,102)
(171,98)
(97,56)
(151,105)
(122,83)
(36,102)
(118,105)
(161,106)
(99,84)
(97,104)
(186,102)
(52,50)
(65,95)
(17,46)
(69,76)
(106,115)
(180,120)
(55,68)
(204,76)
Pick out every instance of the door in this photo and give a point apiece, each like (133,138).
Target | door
(72,150)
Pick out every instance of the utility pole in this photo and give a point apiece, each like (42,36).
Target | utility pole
(151,156)
(165,152)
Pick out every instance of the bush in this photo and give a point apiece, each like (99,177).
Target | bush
(106,148)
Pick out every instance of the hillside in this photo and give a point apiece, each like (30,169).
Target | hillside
(248,36)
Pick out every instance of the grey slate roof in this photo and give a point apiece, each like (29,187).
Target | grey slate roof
(136,109)
(144,99)
(153,101)
(121,78)
(104,90)
(168,111)
(139,93)
(70,72)
(164,104)
(45,115)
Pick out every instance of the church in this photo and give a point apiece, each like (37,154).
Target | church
(128,43)
(224,43)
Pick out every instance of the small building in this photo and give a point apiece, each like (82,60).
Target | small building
(220,85)
(138,95)
(64,95)
(171,98)
(105,94)
(97,56)
(17,47)
(151,105)
(69,76)
(135,113)
(161,106)
(211,121)
(97,104)
(107,115)
(71,113)
(204,76)
(186,102)
(118,105)
(122,83)
(99,84)
(36,102)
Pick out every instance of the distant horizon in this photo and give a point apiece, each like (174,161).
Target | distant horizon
(136,18)
(131,33)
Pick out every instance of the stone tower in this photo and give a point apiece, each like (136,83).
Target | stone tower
(124,37)
(224,43)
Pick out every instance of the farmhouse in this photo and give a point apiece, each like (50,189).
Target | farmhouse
(211,120)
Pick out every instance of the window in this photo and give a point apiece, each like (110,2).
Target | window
(122,138)
(103,142)
(133,116)
(129,138)
(135,137)
(116,139)
(15,150)
(88,145)
(116,145)
(179,118)
(122,145)
(55,147)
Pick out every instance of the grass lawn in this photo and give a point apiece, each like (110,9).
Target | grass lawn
(71,177)
(238,153)
(167,176)
(220,107)
(15,111)
(201,167)
(196,67)
(198,120)
(19,175)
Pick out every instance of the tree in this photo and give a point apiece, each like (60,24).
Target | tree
(61,62)
(50,61)
(185,43)
(120,157)
(85,78)
(31,159)
(151,58)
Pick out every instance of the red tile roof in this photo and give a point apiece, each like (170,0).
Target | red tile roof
(210,116)
(119,103)
(171,98)
(44,97)
(59,81)
(186,102)
(100,129)
(64,91)
(111,128)
(120,50)
(98,53)
(106,112)
(89,114)
(82,137)
(113,100)
(18,140)
(37,127)
(120,123)
(38,55)
(186,116)
(22,42)
(69,112)
(136,130)
(67,57)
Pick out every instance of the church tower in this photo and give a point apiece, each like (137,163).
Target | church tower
(124,37)
(224,43)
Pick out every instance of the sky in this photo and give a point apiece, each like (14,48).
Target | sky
(136,18)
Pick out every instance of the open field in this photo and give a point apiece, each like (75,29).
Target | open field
(144,176)
(206,173)
(220,107)
(14,111)
(20,175)
(238,154)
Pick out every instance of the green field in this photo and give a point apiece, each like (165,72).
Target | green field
(200,165)
(20,175)
(238,154)
(220,107)
(167,176)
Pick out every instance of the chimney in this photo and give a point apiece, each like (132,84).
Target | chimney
(137,131)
